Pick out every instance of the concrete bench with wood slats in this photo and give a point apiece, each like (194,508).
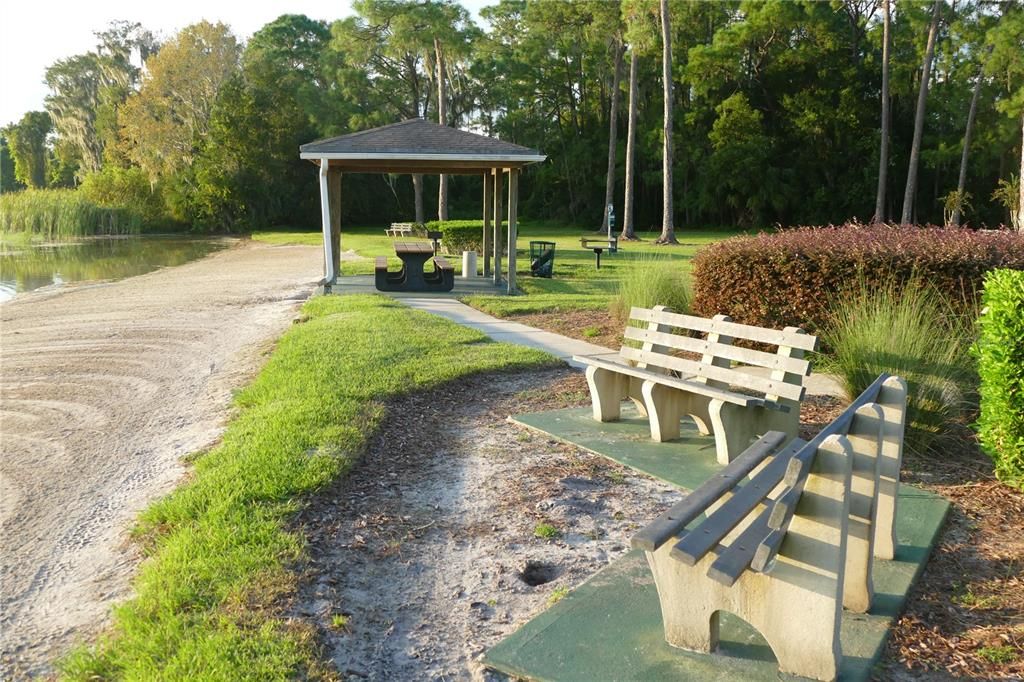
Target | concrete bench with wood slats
(400,230)
(785,535)
(666,386)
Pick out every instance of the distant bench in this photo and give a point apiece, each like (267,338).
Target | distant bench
(400,230)
(785,536)
(666,386)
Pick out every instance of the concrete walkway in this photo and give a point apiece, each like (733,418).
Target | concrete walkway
(560,346)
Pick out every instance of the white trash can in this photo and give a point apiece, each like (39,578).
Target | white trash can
(468,264)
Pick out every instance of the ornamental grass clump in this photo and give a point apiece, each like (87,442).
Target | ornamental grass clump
(913,332)
(62,214)
(1000,352)
(654,281)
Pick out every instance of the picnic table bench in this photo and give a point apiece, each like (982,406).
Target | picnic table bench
(651,370)
(785,536)
(412,277)
(400,230)
(599,244)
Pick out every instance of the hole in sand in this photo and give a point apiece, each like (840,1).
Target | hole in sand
(538,572)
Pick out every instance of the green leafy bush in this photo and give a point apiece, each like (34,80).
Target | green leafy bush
(55,214)
(788,278)
(1000,351)
(126,188)
(910,331)
(654,281)
(459,235)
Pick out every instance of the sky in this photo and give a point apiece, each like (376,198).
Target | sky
(36,33)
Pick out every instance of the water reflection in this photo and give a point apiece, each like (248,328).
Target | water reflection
(24,268)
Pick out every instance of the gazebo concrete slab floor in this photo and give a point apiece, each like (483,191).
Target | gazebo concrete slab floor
(610,628)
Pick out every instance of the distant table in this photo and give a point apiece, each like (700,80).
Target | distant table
(597,245)
(414,256)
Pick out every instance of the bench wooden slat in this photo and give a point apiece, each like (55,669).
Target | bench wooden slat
(442,263)
(667,525)
(735,559)
(381,263)
(713,529)
(731,376)
(737,353)
(734,329)
(682,384)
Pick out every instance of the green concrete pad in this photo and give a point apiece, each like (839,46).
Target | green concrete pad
(609,628)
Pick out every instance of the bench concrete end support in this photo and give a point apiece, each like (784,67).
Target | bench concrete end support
(607,391)
(736,426)
(797,604)
(892,398)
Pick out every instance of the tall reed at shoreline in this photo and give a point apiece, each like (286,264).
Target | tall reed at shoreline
(62,214)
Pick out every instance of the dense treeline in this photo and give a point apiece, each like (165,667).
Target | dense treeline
(776,111)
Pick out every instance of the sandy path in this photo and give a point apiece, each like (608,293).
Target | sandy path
(104,389)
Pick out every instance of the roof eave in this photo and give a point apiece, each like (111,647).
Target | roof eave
(340,156)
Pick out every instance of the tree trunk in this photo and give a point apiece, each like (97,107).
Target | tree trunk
(962,180)
(668,234)
(922,97)
(628,231)
(417,191)
(883,156)
(609,182)
(442,118)
(1020,181)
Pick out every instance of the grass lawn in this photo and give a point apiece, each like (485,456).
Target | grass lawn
(219,551)
(577,284)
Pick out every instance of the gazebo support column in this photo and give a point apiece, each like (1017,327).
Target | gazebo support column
(330,274)
(513,209)
(497,226)
(486,248)
(334,200)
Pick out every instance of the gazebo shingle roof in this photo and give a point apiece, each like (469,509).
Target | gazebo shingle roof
(417,138)
(418,146)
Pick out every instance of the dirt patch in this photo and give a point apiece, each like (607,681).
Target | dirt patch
(105,387)
(458,526)
(593,326)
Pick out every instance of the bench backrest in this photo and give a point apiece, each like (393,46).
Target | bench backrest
(659,336)
(871,432)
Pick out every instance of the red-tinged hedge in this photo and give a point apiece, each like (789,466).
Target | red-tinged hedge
(789,277)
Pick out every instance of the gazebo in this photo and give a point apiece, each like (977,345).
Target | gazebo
(418,146)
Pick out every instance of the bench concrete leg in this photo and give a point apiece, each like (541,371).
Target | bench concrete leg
(635,393)
(796,605)
(865,435)
(607,391)
(664,410)
(893,401)
(735,426)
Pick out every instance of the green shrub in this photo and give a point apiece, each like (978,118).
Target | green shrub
(654,281)
(1000,351)
(459,235)
(55,214)
(788,278)
(125,188)
(910,331)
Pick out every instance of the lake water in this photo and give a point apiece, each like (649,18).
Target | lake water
(25,268)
